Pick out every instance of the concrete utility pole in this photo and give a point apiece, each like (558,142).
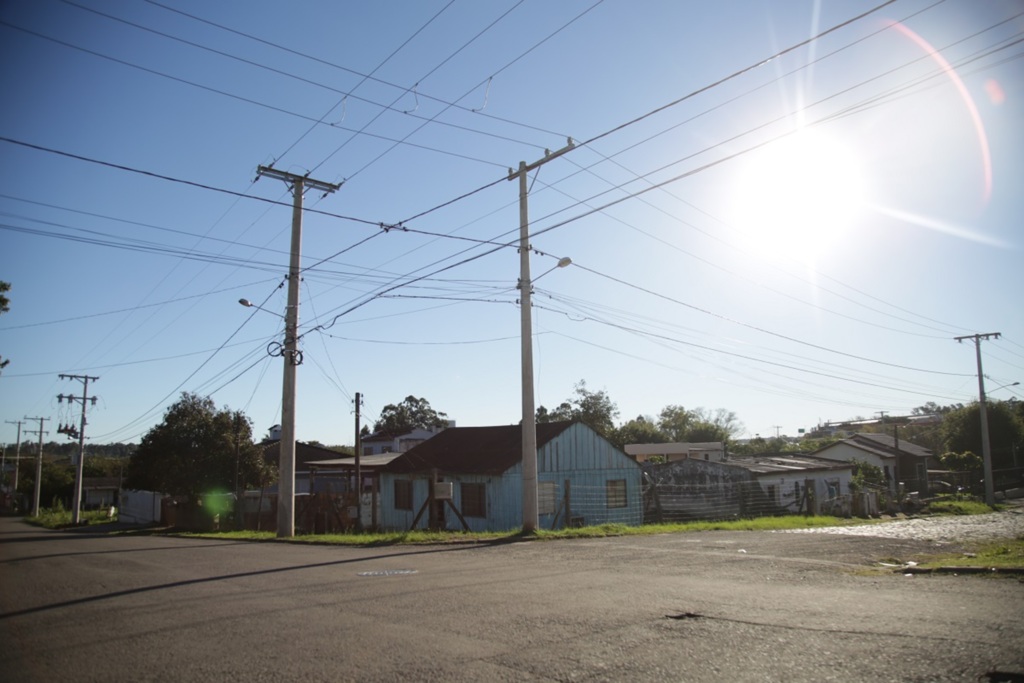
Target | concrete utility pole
(76,511)
(359,470)
(290,352)
(986,448)
(530,513)
(17,457)
(39,463)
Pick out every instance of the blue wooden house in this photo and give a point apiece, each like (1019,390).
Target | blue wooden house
(471,477)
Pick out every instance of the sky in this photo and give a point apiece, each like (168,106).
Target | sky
(788,210)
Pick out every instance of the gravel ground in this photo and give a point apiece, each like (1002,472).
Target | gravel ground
(939,529)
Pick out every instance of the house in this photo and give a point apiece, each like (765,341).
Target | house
(799,483)
(305,453)
(472,477)
(370,467)
(670,452)
(382,442)
(100,492)
(904,464)
(748,486)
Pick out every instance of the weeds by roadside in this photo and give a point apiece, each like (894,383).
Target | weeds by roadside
(57,517)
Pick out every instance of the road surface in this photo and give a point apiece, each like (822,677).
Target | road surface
(730,606)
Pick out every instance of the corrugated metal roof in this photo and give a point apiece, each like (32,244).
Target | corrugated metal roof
(785,463)
(473,450)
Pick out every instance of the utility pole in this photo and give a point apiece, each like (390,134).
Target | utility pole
(529,425)
(39,463)
(359,471)
(776,428)
(986,448)
(76,510)
(17,457)
(290,352)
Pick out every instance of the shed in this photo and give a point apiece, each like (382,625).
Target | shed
(582,479)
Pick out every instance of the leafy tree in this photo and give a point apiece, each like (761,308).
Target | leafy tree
(699,424)
(593,408)
(933,408)
(412,413)
(193,451)
(960,462)
(865,474)
(675,422)
(638,430)
(961,431)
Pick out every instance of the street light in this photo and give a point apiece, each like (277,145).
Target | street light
(249,304)
(1012,384)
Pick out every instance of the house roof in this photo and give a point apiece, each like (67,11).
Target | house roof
(473,450)
(367,462)
(785,463)
(304,452)
(882,445)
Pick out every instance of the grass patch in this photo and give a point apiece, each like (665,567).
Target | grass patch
(960,507)
(59,518)
(598,531)
(1006,554)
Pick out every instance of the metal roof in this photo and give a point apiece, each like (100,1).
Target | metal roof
(473,450)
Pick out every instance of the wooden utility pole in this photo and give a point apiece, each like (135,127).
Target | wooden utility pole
(17,458)
(529,422)
(290,351)
(986,447)
(76,510)
(39,463)
(359,470)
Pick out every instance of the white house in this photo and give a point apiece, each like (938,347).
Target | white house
(712,451)
(900,461)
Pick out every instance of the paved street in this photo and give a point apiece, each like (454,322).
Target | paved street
(736,606)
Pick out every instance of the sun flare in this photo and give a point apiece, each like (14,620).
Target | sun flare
(798,196)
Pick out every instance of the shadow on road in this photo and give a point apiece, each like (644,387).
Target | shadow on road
(228,577)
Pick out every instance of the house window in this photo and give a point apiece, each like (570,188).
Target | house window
(474,500)
(403,494)
(547,493)
(833,487)
(616,492)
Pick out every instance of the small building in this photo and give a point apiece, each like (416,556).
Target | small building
(381,442)
(712,451)
(100,492)
(370,467)
(472,477)
(799,483)
(904,464)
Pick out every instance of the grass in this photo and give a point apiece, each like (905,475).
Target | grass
(59,518)
(951,506)
(599,531)
(1006,554)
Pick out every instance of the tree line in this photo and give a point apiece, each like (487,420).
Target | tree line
(199,448)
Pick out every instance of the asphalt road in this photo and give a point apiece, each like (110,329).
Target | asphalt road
(730,606)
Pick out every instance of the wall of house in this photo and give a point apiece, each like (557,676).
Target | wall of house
(788,497)
(578,455)
(843,452)
(697,489)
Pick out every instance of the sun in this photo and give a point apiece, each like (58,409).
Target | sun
(797,196)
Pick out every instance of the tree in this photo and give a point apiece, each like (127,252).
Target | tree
(193,451)
(960,462)
(412,413)
(961,431)
(865,474)
(698,425)
(593,408)
(638,430)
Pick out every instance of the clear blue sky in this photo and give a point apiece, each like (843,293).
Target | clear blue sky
(796,239)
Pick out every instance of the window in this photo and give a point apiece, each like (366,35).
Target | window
(403,494)
(474,500)
(616,492)
(547,494)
